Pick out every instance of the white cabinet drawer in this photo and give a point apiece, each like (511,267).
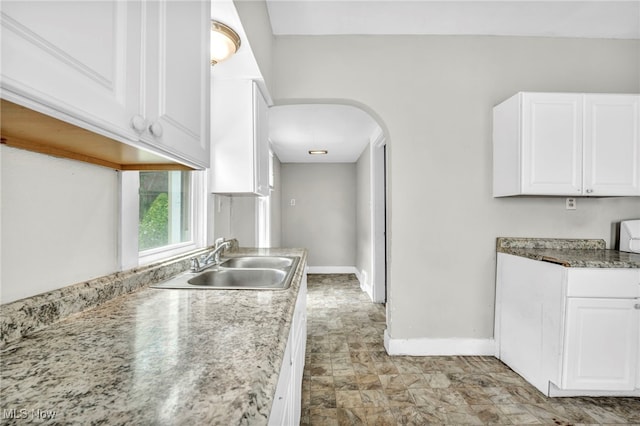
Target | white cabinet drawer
(603,282)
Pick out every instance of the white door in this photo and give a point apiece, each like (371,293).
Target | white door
(601,344)
(177,72)
(49,67)
(552,143)
(612,145)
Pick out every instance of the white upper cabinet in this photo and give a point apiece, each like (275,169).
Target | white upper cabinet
(552,144)
(54,56)
(239,138)
(176,78)
(133,71)
(611,144)
(567,144)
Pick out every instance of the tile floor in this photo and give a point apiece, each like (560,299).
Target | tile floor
(350,380)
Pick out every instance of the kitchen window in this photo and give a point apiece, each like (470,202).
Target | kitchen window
(164,209)
(162,215)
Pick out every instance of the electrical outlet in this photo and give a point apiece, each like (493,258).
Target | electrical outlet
(292,202)
(571,204)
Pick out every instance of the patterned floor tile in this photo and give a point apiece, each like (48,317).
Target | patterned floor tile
(350,380)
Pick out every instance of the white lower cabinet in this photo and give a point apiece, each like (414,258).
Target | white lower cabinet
(600,349)
(287,402)
(569,331)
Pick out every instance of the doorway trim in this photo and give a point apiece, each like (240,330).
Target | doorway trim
(378,231)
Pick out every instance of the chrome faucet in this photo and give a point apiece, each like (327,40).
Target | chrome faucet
(212,258)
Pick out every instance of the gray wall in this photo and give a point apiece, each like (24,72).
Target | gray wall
(323,219)
(244,220)
(363,218)
(434,96)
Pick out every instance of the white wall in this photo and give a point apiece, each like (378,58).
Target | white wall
(236,216)
(276,204)
(434,96)
(363,219)
(59,223)
(244,220)
(255,21)
(323,219)
(219,211)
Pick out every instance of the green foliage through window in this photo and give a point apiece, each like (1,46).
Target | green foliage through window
(164,209)
(154,224)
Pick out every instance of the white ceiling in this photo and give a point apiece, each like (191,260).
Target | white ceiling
(343,130)
(573,18)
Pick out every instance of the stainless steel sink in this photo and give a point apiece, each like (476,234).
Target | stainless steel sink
(241,279)
(277,262)
(240,273)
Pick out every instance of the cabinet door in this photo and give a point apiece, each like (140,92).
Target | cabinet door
(239,138)
(94,78)
(612,145)
(299,348)
(280,413)
(552,143)
(177,78)
(232,136)
(601,344)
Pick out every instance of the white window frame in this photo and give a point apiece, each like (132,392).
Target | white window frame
(129,256)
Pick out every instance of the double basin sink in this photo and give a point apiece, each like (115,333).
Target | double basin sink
(240,273)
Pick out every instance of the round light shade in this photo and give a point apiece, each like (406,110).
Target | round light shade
(224,42)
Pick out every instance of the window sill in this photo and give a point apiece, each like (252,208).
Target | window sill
(155,255)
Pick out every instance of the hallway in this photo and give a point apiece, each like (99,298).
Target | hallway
(350,380)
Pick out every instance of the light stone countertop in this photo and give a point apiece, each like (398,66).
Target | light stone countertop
(568,252)
(157,356)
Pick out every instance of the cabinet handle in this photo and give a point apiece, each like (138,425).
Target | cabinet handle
(156,129)
(138,123)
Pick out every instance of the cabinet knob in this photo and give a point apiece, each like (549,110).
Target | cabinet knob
(156,129)
(138,123)
(589,191)
(636,306)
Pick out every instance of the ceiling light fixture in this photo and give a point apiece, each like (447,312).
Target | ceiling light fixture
(224,42)
(318,152)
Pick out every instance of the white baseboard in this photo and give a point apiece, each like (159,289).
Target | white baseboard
(365,284)
(439,347)
(332,270)
(554,391)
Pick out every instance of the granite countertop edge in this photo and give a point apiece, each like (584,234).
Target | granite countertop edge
(571,253)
